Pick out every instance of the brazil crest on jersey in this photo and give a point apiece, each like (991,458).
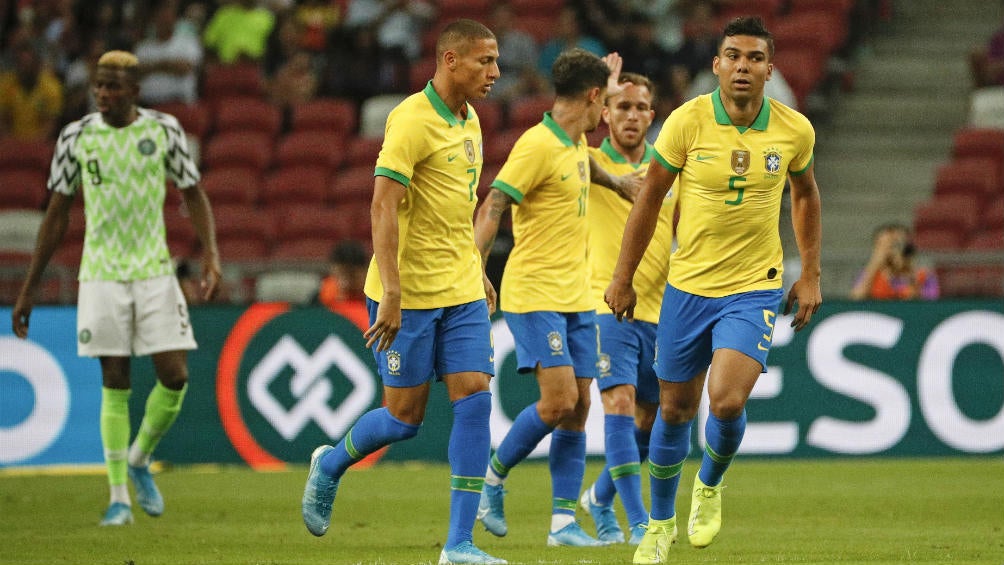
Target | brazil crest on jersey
(730,182)
(608,215)
(547,175)
(122,172)
(438,158)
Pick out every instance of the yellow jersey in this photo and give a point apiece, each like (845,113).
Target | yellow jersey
(730,183)
(607,216)
(438,158)
(547,175)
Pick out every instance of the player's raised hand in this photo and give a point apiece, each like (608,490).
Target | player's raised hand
(615,63)
(621,299)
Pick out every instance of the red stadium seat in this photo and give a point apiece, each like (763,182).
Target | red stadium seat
(232,185)
(241,79)
(977,177)
(524,8)
(194,118)
(314,249)
(421,72)
(993,215)
(766,9)
(352,185)
(529,111)
(300,221)
(243,250)
(22,188)
(817,29)
(540,25)
(31,155)
(953,211)
(309,147)
(253,150)
(978,142)
(242,232)
(329,115)
(839,9)
(479,10)
(363,151)
(296,185)
(181,237)
(971,281)
(247,115)
(803,69)
(497,148)
(938,239)
(490,115)
(357,215)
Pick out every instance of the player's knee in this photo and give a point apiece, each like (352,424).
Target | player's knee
(727,408)
(619,400)
(557,410)
(174,380)
(678,413)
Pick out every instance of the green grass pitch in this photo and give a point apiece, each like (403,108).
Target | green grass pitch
(842,511)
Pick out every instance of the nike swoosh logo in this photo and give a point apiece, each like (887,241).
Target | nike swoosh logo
(563,177)
(450,158)
(705,157)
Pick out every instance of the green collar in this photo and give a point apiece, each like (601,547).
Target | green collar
(552,125)
(722,117)
(441,108)
(616,157)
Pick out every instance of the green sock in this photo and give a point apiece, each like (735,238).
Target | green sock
(115,432)
(162,407)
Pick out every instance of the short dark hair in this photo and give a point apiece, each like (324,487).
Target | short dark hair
(349,252)
(576,71)
(748,25)
(458,33)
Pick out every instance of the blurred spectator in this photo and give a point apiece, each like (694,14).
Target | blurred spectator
(79,99)
(890,273)
(567,34)
(342,289)
(358,68)
(642,53)
(31,96)
(606,20)
(700,45)
(237,31)
(170,60)
(667,18)
(193,19)
(294,82)
(518,63)
(987,61)
(319,19)
(398,23)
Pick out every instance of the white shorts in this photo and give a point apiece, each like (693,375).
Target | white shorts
(120,319)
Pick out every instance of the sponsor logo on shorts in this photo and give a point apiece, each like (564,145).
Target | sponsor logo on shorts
(604,365)
(394,362)
(555,343)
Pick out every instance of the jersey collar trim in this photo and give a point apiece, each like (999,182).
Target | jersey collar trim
(440,107)
(552,125)
(608,148)
(722,117)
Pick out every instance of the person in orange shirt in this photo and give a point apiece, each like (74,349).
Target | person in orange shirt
(342,289)
(890,273)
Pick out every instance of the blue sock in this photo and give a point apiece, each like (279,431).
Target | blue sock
(723,439)
(470,445)
(624,466)
(372,431)
(667,452)
(567,461)
(642,438)
(524,435)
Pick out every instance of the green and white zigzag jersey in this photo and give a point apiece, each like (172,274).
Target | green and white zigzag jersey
(123,172)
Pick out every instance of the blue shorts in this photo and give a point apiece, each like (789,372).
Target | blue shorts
(627,351)
(696,326)
(554,339)
(436,342)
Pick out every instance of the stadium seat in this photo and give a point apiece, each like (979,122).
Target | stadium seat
(978,142)
(194,118)
(181,237)
(837,9)
(243,250)
(374,111)
(525,8)
(938,239)
(22,188)
(479,10)
(810,28)
(328,115)
(232,185)
(976,177)
(296,221)
(357,215)
(420,72)
(311,147)
(352,185)
(243,114)
(242,232)
(253,150)
(295,185)
(987,240)
(31,155)
(363,151)
(529,111)
(971,281)
(221,80)
(993,215)
(953,211)
(490,115)
(498,147)
(766,9)
(488,174)
(803,68)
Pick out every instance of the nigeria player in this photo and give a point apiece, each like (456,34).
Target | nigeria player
(627,382)
(426,287)
(731,151)
(545,288)
(129,301)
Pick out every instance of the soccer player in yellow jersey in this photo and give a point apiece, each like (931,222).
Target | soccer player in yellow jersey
(627,382)
(545,288)
(731,152)
(426,287)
